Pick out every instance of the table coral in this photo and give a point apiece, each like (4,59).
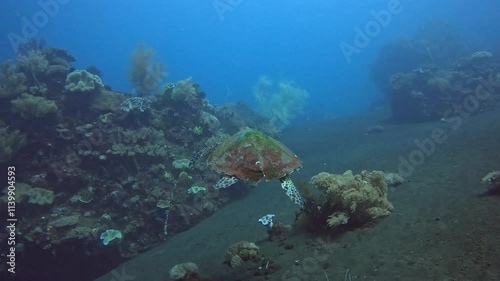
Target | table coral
(353,198)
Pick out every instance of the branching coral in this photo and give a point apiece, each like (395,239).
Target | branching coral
(10,143)
(30,106)
(184,90)
(12,81)
(33,61)
(280,101)
(145,74)
(354,198)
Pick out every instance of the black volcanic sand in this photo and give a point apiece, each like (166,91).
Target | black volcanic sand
(443,226)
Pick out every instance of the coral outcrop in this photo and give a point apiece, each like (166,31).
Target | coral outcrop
(187,271)
(33,107)
(492,180)
(82,81)
(241,252)
(95,159)
(11,141)
(12,80)
(431,93)
(33,195)
(356,199)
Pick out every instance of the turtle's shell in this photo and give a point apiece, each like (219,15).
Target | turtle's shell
(252,155)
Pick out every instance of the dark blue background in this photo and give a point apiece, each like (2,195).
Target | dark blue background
(288,39)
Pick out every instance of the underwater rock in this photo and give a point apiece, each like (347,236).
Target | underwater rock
(240,252)
(279,231)
(182,163)
(181,271)
(34,195)
(394,179)
(492,180)
(480,56)
(64,221)
(374,130)
(210,121)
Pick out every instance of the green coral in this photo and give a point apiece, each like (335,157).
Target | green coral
(169,177)
(10,143)
(82,81)
(197,130)
(32,107)
(184,90)
(195,189)
(184,175)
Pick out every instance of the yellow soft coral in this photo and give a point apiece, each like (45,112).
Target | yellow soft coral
(359,198)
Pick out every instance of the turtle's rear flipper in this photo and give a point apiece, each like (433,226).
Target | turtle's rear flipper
(291,191)
(225,182)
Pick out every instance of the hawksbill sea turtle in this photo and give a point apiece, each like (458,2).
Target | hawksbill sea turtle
(252,155)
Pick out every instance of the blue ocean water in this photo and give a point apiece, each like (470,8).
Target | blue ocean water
(226,45)
(444,128)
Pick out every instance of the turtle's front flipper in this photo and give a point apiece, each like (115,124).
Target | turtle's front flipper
(291,191)
(225,182)
(201,153)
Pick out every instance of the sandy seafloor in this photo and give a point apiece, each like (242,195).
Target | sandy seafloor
(442,227)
